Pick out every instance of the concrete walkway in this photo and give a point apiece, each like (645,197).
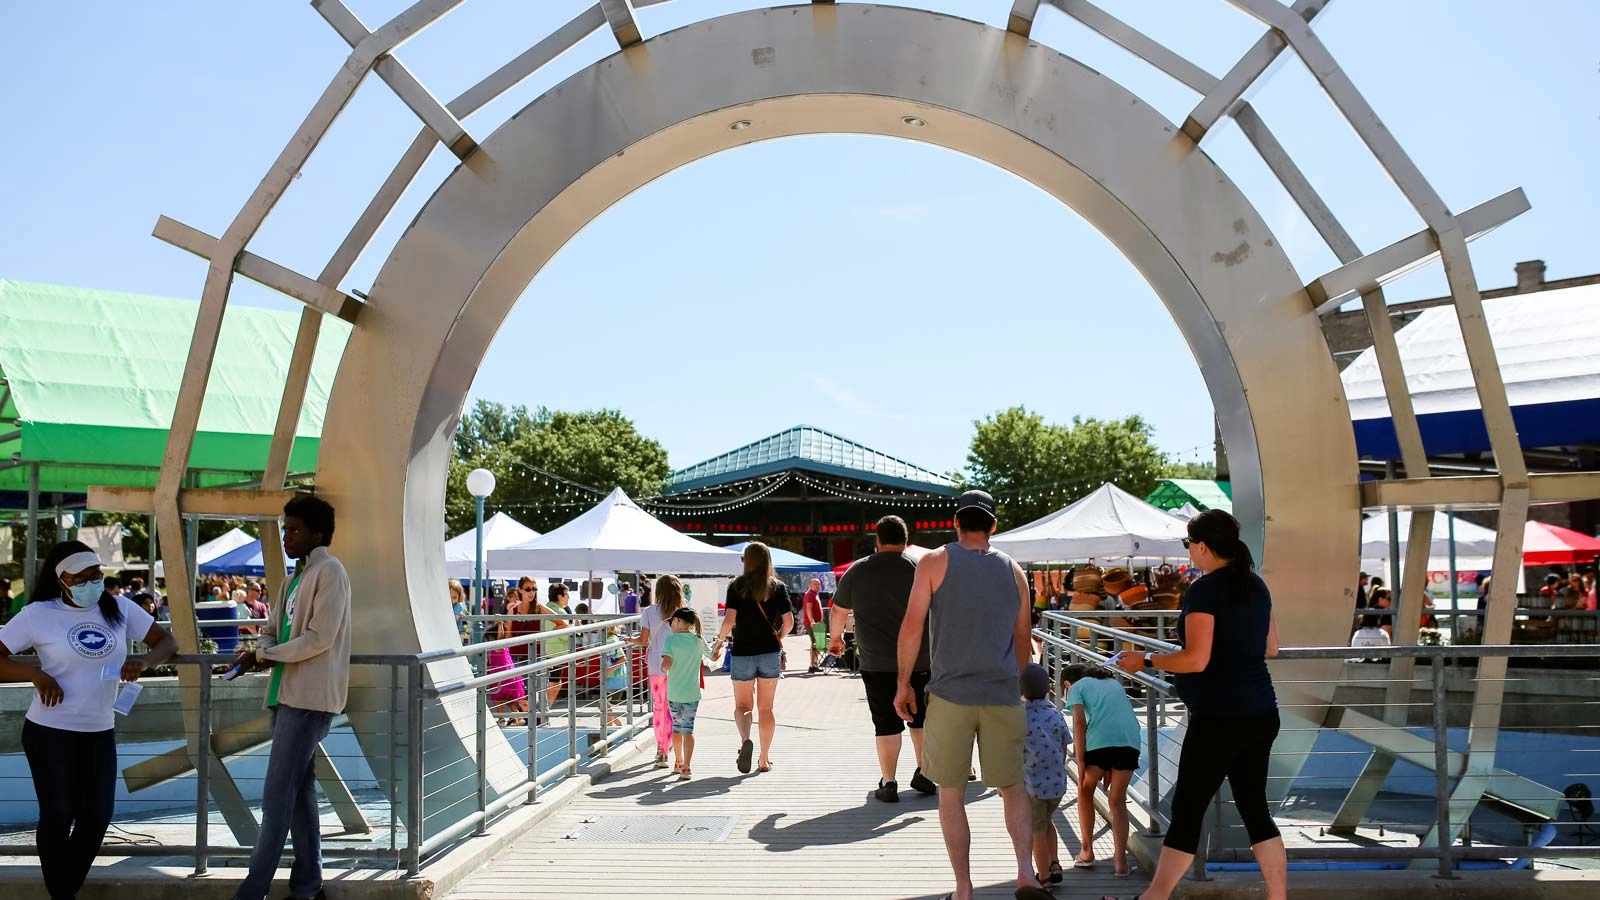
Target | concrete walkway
(809,828)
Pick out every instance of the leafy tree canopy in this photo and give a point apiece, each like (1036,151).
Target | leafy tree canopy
(543,460)
(1034,467)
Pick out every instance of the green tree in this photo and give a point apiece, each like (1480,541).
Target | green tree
(542,461)
(1202,470)
(1034,467)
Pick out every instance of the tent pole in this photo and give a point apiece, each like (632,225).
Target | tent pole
(1389,473)
(1455,586)
(32,557)
(61,532)
(151,555)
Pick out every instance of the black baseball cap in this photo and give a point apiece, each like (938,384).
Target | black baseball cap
(977,500)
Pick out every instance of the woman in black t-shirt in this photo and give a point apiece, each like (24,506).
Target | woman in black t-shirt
(1228,631)
(758,616)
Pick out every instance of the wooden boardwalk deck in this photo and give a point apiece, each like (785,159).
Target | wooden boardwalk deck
(809,828)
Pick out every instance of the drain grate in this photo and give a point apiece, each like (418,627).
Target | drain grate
(653,829)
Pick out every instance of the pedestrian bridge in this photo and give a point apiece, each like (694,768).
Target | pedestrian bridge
(808,828)
(569,804)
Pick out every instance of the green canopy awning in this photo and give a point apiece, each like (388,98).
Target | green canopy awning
(1173,493)
(92,377)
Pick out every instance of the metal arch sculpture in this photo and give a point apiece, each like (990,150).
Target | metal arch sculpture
(767,73)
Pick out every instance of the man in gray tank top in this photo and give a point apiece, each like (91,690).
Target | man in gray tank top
(974,600)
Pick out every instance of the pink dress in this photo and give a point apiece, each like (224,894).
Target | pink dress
(512,688)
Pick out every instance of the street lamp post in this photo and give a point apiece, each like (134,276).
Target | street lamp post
(480,483)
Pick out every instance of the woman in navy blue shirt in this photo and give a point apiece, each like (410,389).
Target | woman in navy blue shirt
(1227,631)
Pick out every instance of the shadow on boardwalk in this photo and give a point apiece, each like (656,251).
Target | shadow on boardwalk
(808,828)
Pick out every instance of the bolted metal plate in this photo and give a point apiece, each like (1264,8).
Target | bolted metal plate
(654,829)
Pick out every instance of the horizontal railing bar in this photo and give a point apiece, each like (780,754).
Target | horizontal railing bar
(452,687)
(433,656)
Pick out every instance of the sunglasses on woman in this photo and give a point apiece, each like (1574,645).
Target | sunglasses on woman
(1187,542)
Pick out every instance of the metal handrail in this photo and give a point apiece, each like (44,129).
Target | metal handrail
(532,668)
(1060,632)
(433,656)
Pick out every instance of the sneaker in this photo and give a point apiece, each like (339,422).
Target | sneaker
(661,761)
(922,784)
(887,791)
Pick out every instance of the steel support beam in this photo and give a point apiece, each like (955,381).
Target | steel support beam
(262,271)
(1372,271)
(1023,12)
(192,502)
(1138,43)
(1250,67)
(1402,412)
(1476,491)
(381,43)
(623,21)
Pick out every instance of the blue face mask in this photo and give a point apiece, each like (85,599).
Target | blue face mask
(86,595)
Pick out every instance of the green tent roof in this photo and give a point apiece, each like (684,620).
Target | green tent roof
(1173,493)
(92,377)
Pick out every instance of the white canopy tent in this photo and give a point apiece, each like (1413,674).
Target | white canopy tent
(499,531)
(210,550)
(1108,524)
(616,536)
(1474,544)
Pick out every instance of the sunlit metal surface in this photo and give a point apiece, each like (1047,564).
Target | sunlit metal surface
(666,101)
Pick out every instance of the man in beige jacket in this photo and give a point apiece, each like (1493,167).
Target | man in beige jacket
(307,643)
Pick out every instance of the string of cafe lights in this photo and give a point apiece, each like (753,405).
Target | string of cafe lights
(703,509)
(915,501)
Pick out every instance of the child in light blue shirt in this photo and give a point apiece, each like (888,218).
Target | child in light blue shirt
(1044,770)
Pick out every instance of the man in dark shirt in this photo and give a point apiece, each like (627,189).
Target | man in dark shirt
(877,589)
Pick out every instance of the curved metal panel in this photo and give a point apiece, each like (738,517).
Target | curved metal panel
(760,75)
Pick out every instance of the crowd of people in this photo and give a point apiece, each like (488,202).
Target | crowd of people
(944,653)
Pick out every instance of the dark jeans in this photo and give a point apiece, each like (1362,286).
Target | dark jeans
(289,806)
(75,779)
(1237,749)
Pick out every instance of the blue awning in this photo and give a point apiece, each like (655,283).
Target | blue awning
(1546,343)
(785,561)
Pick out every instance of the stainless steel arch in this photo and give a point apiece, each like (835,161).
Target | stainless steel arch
(533,184)
(798,70)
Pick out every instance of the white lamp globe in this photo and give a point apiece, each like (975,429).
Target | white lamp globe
(480,482)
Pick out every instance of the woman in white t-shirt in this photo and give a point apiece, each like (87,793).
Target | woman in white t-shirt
(653,632)
(81,635)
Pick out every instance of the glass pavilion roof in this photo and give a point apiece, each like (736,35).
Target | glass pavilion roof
(805,447)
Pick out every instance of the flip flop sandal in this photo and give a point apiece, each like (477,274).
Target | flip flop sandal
(746,751)
(1033,893)
(1079,862)
(1055,872)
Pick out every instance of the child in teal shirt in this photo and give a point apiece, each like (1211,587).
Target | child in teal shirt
(681,654)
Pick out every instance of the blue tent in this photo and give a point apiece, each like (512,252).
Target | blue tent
(243,560)
(1544,342)
(784,561)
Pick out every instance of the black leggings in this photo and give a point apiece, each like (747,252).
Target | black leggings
(75,779)
(1214,749)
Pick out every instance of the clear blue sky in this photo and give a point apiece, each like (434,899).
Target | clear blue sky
(813,280)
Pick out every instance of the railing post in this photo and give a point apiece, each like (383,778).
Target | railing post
(202,775)
(572,709)
(394,754)
(1441,769)
(414,763)
(629,671)
(483,751)
(529,683)
(1154,706)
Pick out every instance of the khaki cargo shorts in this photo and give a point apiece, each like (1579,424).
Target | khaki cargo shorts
(947,742)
